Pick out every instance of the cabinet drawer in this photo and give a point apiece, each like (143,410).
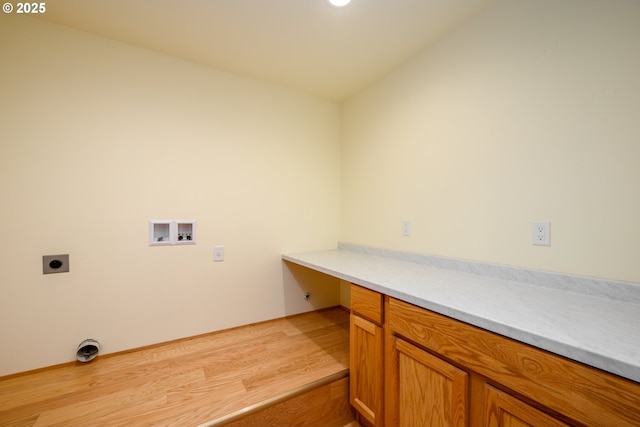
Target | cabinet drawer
(366,303)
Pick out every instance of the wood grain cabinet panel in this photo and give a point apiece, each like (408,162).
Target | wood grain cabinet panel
(366,369)
(576,391)
(367,303)
(504,410)
(427,391)
(413,367)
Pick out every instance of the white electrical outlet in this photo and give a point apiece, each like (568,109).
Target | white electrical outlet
(541,233)
(218,253)
(406,228)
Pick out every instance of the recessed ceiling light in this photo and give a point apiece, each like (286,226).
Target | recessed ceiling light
(339,3)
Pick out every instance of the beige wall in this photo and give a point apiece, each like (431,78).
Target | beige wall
(530,112)
(98,138)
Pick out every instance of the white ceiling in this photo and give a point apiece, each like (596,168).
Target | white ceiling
(307,45)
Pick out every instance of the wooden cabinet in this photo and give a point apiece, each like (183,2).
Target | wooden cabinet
(366,354)
(504,410)
(367,303)
(424,390)
(511,384)
(414,367)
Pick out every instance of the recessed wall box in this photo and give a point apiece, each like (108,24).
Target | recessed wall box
(55,264)
(172,232)
(159,232)
(186,232)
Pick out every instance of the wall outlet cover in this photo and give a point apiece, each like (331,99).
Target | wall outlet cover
(541,233)
(406,228)
(55,264)
(218,253)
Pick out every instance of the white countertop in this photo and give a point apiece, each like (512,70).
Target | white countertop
(592,321)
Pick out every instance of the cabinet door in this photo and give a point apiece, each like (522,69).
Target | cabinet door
(504,410)
(424,390)
(366,369)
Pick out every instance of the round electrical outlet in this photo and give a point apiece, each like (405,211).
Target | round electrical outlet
(56,263)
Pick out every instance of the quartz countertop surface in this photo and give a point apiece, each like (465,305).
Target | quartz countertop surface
(593,321)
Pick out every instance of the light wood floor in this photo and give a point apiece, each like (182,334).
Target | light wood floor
(183,383)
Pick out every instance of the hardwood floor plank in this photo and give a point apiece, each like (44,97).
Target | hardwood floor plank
(188,410)
(113,400)
(19,390)
(25,422)
(182,383)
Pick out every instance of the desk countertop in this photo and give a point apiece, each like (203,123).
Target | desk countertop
(593,321)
